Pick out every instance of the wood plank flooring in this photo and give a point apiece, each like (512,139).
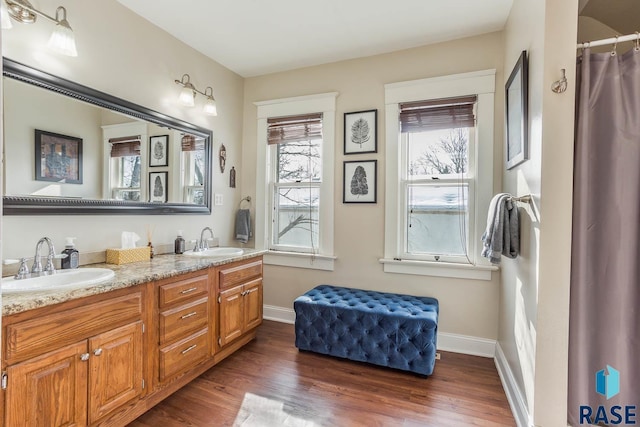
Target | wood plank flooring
(270,383)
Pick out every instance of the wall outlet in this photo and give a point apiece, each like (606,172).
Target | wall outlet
(217,199)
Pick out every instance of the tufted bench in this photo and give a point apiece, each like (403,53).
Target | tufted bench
(398,331)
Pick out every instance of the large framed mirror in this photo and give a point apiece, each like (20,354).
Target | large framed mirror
(70,149)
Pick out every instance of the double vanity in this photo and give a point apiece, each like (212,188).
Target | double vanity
(103,354)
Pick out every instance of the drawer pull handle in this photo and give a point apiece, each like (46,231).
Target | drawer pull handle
(186,316)
(97,351)
(186,291)
(188,349)
(84,357)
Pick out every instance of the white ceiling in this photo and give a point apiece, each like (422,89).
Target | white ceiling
(254,37)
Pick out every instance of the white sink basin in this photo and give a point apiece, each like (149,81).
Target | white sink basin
(62,279)
(216,252)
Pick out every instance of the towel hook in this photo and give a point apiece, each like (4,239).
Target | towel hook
(246,199)
(560,86)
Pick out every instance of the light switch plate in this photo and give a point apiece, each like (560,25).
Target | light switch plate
(217,199)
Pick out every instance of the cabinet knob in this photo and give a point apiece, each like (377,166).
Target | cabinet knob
(84,357)
(97,351)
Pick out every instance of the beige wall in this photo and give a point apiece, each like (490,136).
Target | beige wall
(534,291)
(124,55)
(467,307)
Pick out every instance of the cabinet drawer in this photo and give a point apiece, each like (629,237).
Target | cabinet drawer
(182,290)
(175,323)
(33,337)
(184,354)
(234,275)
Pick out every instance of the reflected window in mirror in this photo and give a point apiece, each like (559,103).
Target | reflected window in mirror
(125,168)
(193,166)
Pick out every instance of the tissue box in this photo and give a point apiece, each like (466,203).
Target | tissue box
(125,256)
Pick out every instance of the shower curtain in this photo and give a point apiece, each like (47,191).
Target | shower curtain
(604,327)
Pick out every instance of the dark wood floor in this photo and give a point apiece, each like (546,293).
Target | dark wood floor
(269,383)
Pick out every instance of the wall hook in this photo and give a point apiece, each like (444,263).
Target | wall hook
(560,86)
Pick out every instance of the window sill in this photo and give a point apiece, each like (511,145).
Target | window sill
(299,260)
(438,269)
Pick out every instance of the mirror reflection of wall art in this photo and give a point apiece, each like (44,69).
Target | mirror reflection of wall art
(516,90)
(158,187)
(360,132)
(58,158)
(158,150)
(360,181)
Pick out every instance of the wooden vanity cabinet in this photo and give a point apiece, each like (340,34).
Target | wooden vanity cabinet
(77,365)
(239,300)
(185,322)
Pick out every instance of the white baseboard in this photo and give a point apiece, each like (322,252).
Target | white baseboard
(278,314)
(446,342)
(511,389)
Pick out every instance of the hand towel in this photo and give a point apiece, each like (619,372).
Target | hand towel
(502,235)
(243,225)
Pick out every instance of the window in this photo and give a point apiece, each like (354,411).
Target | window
(193,158)
(295,170)
(125,168)
(439,176)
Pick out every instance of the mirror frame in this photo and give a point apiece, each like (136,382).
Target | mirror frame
(32,205)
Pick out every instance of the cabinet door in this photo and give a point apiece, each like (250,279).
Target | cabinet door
(231,315)
(49,390)
(115,369)
(252,304)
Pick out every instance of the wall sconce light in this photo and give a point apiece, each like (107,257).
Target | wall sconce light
(62,39)
(188,93)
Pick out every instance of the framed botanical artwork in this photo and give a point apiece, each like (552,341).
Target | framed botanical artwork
(158,187)
(360,181)
(516,100)
(58,158)
(159,150)
(360,132)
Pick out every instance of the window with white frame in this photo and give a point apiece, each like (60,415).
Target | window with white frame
(439,174)
(296,150)
(295,170)
(193,167)
(125,168)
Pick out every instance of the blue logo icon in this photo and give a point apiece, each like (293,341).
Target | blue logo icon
(608,384)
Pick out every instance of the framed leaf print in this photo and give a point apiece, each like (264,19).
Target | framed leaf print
(361,132)
(159,150)
(158,187)
(360,181)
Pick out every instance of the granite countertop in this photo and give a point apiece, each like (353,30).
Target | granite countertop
(160,267)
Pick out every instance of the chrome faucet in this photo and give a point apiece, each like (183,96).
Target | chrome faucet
(50,268)
(202,245)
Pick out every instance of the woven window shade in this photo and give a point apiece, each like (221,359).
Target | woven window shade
(190,143)
(294,128)
(125,146)
(422,116)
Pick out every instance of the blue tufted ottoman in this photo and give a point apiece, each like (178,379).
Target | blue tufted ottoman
(398,331)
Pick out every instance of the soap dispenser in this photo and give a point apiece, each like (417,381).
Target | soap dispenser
(73,256)
(179,244)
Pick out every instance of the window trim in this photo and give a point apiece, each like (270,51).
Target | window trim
(482,84)
(324,103)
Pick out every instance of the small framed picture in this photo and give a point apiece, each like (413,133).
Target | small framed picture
(360,132)
(516,90)
(58,158)
(360,181)
(159,150)
(158,187)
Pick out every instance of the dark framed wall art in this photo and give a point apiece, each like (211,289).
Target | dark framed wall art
(159,150)
(158,190)
(516,108)
(58,158)
(360,132)
(360,181)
